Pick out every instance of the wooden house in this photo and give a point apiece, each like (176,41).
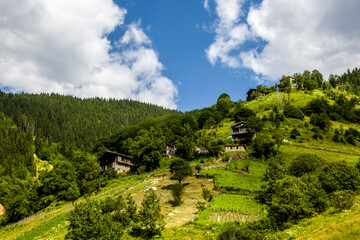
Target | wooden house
(241,131)
(255,91)
(120,162)
(170,150)
(235,148)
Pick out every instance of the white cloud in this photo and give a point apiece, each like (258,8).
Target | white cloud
(62,46)
(299,35)
(230,34)
(206,5)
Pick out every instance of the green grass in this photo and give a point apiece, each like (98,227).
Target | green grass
(44,228)
(51,221)
(230,205)
(290,152)
(329,225)
(192,231)
(244,204)
(224,130)
(297,98)
(232,180)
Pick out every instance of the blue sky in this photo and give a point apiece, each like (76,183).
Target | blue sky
(175,53)
(176,31)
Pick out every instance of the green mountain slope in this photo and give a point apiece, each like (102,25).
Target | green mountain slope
(73,120)
(284,135)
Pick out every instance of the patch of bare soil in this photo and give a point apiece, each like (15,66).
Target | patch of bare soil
(2,210)
(187,211)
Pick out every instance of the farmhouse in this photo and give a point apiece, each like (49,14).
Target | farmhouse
(170,150)
(292,81)
(255,93)
(120,162)
(235,148)
(241,132)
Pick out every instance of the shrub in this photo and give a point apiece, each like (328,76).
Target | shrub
(200,205)
(321,120)
(305,163)
(294,133)
(177,191)
(291,111)
(263,147)
(240,232)
(337,176)
(151,221)
(342,200)
(289,201)
(206,194)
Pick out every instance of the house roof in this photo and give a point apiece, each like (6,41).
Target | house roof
(239,124)
(254,90)
(170,145)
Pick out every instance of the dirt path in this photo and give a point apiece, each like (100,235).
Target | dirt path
(187,211)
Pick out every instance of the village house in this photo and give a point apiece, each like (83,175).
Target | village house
(120,162)
(241,131)
(235,148)
(291,81)
(255,92)
(170,150)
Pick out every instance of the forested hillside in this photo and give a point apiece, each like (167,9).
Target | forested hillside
(349,81)
(297,162)
(16,151)
(73,120)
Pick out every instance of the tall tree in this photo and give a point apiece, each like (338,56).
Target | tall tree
(180,169)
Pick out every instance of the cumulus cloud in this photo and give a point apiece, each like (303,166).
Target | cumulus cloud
(289,37)
(62,46)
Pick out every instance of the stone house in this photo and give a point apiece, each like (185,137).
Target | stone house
(235,148)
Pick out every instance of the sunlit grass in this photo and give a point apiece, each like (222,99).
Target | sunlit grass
(290,152)
(343,225)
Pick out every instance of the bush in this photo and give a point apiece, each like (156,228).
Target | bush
(289,201)
(291,111)
(321,120)
(151,221)
(342,200)
(337,176)
(200,206)
(177,191)
(88,222)
(294,133)
(263,147)
(305,163)
(206,194)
